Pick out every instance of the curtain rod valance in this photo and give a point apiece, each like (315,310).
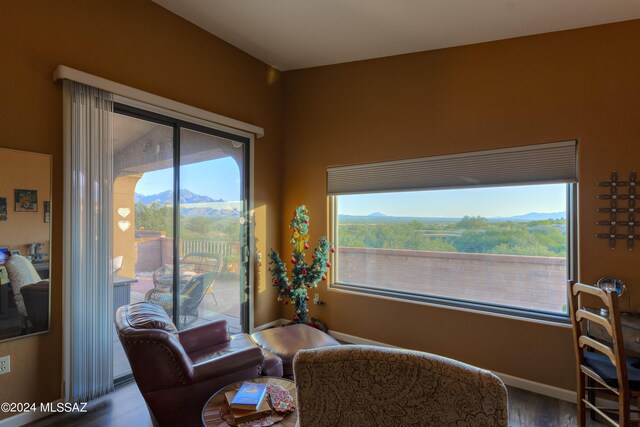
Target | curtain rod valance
(63,72)
(532,164)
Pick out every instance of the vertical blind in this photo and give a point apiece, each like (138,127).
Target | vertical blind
(531,164)
(88,254)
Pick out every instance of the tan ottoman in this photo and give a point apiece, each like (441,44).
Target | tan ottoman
(286,341)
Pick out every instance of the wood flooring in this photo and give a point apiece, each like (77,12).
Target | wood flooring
(126,407)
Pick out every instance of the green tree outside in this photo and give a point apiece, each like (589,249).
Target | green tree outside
(469,235)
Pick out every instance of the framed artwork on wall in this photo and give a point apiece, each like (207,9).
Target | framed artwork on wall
(3,208)
(47,212)
(26,200)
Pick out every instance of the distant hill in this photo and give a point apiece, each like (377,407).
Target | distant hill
(532,216)
(380,217)
(186,196)
(208,209)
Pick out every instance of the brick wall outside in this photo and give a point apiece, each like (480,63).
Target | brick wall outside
(512,280)
(149,255)
(153,253)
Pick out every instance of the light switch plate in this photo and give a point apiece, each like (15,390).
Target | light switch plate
(5,364)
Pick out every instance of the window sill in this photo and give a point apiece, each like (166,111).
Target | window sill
(554,319)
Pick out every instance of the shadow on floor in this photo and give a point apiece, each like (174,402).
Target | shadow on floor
(126,407)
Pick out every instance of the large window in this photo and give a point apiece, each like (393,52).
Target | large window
(491,246)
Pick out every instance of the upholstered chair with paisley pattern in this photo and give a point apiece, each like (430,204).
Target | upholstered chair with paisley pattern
(376,386)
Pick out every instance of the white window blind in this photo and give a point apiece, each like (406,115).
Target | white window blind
(532,164)
(88,244)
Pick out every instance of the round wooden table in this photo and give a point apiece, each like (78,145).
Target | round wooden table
(211,412)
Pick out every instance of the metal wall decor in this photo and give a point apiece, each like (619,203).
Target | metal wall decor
(622,210)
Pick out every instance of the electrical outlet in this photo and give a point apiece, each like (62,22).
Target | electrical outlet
(316,298)
(5,364)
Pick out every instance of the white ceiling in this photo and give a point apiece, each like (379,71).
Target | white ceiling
(293,34)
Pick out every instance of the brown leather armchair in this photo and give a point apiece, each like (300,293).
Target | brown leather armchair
(36,301)
(178,371)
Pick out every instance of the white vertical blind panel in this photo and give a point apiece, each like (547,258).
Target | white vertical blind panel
(533,164)
(90,240)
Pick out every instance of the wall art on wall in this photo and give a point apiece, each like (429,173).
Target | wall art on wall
(26,200)
(124,212)
(621,210)
(3,208)
(124,225)
(47,212)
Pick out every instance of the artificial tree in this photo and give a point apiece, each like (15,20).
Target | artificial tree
(303,276)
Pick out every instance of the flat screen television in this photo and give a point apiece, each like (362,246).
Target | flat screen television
(4,254)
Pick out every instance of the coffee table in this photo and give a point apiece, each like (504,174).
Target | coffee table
(211,412)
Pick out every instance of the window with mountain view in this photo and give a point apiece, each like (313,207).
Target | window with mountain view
(505,247)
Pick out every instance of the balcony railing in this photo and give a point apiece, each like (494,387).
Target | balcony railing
(209,247)
(152,253)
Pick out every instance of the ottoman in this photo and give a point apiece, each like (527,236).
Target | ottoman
(286,341)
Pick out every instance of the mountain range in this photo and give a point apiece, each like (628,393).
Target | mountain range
(531,216)
(186,196)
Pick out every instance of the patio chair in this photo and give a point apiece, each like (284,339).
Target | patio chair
(203,270)
(163,276)
(190,266)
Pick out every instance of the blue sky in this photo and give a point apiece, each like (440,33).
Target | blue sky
(218,179)
(486,202)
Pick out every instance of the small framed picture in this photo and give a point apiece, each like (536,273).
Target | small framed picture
(15,252)
(47,212)
(3,208)
(26,200)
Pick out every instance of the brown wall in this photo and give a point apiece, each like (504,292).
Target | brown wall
(139,44)
(581,84)
(124,242)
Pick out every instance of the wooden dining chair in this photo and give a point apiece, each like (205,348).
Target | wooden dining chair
(606,364)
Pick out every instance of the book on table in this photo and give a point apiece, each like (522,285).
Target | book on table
(243,415)
(249,396)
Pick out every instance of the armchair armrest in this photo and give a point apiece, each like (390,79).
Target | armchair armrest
(203,336)
(231,362)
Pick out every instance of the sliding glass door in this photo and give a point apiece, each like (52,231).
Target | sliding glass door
(212,223)
(180,220)
(142,228)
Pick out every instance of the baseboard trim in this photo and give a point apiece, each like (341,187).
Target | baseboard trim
(26,417)
(275,323)
(540,388)
(524,384)
(352,339)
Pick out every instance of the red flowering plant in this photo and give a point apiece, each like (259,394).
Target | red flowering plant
(303,276)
